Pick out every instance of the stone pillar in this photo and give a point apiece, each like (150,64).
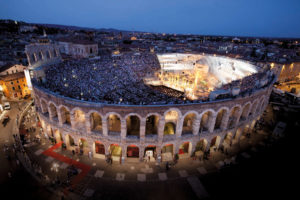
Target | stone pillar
(238,118)
(142,129)
(161,126)
(60,120)
(224,122)
(196,125)
(88,124)
(123,128)
(104,127)
(158,154)
(124,153)
(176,148)
(212,123)
(179,126)
(141,153)
(72,119)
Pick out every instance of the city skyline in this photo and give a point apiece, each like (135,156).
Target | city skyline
(214,17)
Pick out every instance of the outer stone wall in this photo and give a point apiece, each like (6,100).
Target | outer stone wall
(241,112)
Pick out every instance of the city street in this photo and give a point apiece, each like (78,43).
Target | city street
(20,183)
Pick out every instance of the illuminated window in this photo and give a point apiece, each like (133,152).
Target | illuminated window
(13,88)
(11,82)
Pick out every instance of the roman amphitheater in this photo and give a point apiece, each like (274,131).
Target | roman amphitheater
(145,104)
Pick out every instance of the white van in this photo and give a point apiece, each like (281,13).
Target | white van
(6,106)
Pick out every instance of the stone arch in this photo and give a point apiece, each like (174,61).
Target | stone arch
(152,121)
(44,107)
(132,151)
(115,151)
(53,111)
(234,116)
(65,115)
(32,58)
(167,152)
(83,146)
(227,139)
(133,122)
(221,116)
(245,112)
(70,142)
(170,128)
(150,152)
(78,118)
(206,120)
(189,122)
(185,149)
(96,121)
(54,53)
(57,136)
(113,123)
(201,145)
(215,143)
(99,149)
(262,105)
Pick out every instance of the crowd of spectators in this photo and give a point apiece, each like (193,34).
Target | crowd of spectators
(116,79)
(119,80)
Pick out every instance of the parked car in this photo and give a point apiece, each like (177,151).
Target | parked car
(5,120)
(6,106)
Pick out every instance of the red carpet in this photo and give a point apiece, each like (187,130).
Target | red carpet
(84,168)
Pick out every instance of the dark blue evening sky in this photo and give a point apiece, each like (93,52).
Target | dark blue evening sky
(274,18)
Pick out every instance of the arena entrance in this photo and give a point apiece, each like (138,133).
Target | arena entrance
(150,153)
(115,151)
(185,150)
(58,137)
(167,152)
(132,153)
(99,151)
(70,142)
(215,143)
(200,148)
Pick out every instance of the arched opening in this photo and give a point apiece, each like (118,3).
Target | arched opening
(171,120)
(99,148)
(152,125)
(83,146)
(150,153)
(170,128)
(70,142)
(227,139)
(79,119)
(65,115)
(132,151)
(237,135)
(233,117)
(215,143)
(200,148)
(167,152)
(185,150)
(96,122)
(114,125)
(220,118)
(133,125)
(205,121)
(115,151)
(188,124)
(262,106)
(245,112)
(53,112)
(258,107)
(58,136)
(44,108)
